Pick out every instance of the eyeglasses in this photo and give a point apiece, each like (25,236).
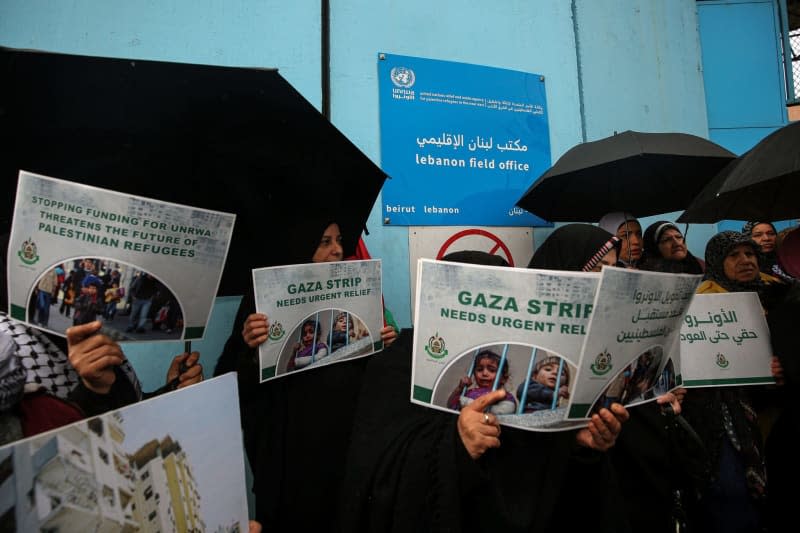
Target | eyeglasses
(676,238)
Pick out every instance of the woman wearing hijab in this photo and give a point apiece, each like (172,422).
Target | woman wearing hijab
(412,468)
(732,496)
(783,462)
(665,250)
(296,453)
(656,457)
(629,232)
(578,248)
(646,499)
(765,236)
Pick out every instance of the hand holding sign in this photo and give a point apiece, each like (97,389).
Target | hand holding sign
(256,329)
(94,356)
(603,429)
(478,430)
(185,370)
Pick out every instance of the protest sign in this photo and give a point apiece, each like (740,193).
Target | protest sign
(101,254)
(171,463)
(725,340)
(626,354)
(318,313)
(526,324)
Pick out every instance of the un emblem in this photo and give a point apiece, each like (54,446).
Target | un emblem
(403,77)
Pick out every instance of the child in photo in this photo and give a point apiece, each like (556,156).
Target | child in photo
(543,383)
(484,373)
(309,349)
(112,298)
(343,332)
(89,304)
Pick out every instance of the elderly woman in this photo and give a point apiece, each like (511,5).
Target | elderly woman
(732,497)
(665,250)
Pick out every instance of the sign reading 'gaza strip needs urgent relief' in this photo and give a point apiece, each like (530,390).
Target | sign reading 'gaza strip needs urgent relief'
(319,313)
(461,142)
(522,327)
(85,248)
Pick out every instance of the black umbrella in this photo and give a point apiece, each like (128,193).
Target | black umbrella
(240,140)
(762,184)
(641,173)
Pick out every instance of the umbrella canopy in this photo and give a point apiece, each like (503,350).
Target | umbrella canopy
(762,184)
(641,173)
(240,140)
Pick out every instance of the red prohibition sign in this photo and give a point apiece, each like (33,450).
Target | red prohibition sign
(499,244)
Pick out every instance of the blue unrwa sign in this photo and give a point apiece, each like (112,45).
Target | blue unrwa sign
(460,142)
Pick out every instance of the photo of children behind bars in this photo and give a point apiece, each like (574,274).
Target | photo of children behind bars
(537,383)
(324,337)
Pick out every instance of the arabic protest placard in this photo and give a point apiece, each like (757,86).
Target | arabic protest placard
(462,142)
(156,465)
(725,340)
(480,328)
(319,313)
(626,355)
(79,253)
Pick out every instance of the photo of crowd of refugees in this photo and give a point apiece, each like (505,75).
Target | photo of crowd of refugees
(131,303)
(639,381)
(536,381)
(325,337)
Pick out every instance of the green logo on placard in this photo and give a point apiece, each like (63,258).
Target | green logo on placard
(276,331)
(436,347)
(602,363)
(27,253)
(722,362)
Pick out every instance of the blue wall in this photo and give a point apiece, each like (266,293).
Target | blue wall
(744,81)
(743,77)
(610,65)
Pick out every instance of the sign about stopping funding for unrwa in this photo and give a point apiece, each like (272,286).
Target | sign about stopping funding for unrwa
(461,142)
(724,340)
(318,314)
(627,353)
(484,328)
(79,253)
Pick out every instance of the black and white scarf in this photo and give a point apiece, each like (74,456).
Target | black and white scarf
(45,365)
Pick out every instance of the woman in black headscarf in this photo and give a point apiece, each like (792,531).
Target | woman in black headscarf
(657,457)
(733,495)
(412,468)
(645,497)
(665,250)
(296,453)
(577,247)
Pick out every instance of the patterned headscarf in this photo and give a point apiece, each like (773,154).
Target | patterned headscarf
(12,375)
(717,249)
(747,229)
